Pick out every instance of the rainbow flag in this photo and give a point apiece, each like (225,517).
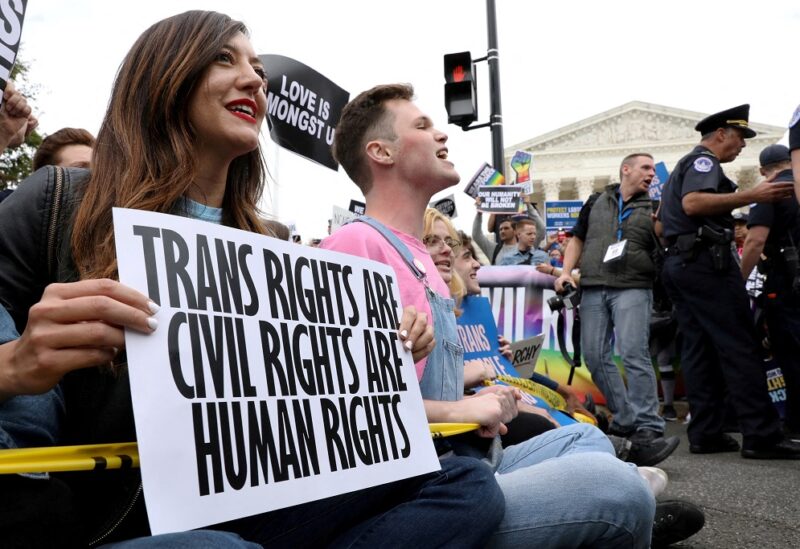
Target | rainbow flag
(486,175)
(496,179)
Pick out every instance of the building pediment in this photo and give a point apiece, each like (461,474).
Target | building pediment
(635,123)
(573,161)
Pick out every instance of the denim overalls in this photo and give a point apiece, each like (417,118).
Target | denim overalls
(443,377)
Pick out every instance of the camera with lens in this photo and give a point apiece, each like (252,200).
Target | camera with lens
(568,298)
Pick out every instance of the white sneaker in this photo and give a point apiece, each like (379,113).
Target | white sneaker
(656,478)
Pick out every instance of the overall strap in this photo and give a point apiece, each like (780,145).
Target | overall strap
(398,245)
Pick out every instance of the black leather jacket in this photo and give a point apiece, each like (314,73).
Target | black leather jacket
(35,228)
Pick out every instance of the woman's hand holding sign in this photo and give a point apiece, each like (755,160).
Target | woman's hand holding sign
(74,325)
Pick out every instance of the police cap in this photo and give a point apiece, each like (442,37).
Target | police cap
(737,117)
(774,154)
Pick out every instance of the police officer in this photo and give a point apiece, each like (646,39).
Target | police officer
(794,146)
(711,305)
(774,229)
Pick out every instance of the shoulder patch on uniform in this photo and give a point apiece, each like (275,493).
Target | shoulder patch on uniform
(795,117)
(703,164)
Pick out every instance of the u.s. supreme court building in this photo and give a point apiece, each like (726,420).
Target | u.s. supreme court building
(572,162)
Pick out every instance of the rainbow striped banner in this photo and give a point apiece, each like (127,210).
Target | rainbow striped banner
(496,179)
(486,176)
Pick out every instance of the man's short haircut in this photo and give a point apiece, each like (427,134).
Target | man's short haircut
(509,221)
(628,160)
(364,119)
(523,222)
(51,145)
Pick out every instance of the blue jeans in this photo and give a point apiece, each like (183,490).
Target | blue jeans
(585,497)
(606,312)
(197,539)
(458,506)
(563,488)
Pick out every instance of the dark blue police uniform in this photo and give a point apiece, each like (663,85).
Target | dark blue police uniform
(782,291)
(794,130)
(720,347)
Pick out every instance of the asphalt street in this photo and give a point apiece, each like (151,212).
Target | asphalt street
(747,503)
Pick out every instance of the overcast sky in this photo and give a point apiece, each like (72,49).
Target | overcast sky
(560,62)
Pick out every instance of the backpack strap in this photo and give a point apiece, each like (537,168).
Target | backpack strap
(497,249)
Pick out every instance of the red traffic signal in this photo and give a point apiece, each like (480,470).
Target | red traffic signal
(460,91)
(458,67)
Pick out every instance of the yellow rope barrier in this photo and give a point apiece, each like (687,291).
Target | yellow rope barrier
(69,458)
(123,455)
(545,393)
(440,430)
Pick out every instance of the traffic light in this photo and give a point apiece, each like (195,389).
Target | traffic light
(460,93)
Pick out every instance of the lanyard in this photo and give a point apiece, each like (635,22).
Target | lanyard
(622,216)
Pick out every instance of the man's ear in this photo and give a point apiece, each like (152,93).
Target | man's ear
(380,151)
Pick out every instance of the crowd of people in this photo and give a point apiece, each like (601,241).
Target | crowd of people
(521,480)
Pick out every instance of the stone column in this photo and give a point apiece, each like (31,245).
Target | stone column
(551,188)
(585,187)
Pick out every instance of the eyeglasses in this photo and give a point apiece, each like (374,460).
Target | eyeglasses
(434,242)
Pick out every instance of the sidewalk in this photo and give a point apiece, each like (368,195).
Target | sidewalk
(748,503)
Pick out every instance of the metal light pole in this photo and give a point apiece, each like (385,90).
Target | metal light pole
(496,116)
(459,98)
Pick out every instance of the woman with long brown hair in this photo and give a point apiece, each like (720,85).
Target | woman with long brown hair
(180,136)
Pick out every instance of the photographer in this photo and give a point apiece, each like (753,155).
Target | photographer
(613,242)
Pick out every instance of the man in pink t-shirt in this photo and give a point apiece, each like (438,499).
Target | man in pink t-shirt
(362,240)
(398,159)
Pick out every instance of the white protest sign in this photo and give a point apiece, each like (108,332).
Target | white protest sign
(525,353)
(502,199)
(340,217)
(275,376)
(486,175)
